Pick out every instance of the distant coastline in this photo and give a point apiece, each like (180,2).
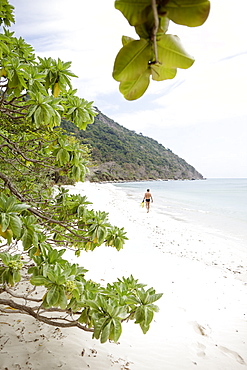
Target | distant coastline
(119,154)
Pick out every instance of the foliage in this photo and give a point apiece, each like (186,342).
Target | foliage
(122,154)
(39,219)
(155,53)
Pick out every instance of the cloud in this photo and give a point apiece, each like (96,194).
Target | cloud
(208,94)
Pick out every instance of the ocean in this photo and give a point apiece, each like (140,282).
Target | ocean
(216,204)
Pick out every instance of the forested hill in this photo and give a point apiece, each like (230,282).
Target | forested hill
(122,154)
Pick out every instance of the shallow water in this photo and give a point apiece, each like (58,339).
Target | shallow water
(218,204)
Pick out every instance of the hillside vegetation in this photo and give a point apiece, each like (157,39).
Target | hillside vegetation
(119,154)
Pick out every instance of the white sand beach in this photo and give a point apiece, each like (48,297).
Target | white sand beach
(202,322)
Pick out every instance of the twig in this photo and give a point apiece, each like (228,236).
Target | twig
(155,30)
(12,146)
(25,297)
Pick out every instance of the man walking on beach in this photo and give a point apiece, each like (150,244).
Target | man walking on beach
(148,197)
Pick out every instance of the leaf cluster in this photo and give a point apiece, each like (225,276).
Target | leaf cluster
(155,53)
(38,89)
(36,93)
(70,223)
(10,271)
(99,309)
(102,308)
(6,13)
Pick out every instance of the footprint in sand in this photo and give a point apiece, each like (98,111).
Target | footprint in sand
(232,354)
(201,350)
(199,329)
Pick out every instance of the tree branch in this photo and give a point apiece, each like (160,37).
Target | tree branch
(25,297)
(50,321)
(13,146)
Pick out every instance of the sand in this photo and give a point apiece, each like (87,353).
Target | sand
(202,322)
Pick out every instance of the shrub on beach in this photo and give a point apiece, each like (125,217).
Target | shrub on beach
(40,221)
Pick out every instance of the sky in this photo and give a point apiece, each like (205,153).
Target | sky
(201,114)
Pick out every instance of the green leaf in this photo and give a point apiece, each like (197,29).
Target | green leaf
(98,325)
(52,296)
(135,11)
(132,60)
(92,304)
(62,156)
(84,318)
(133,90)
(51,274)
(161,73)
(105,333)
(53,255)
(16,257)
(3,200)
(76,172)
(154,297)
(163,25)
(9,236)
(139,314)
(61,252)
(116,330)
(5,275)
(38,280)
(15,225)
(61,280)
(10,278)
(27,239)
(62,301)
(5,257)
(145,30)
(16,276)
(190,13)
(36,237)
(5,218)
(20,207)
(149,314)
(9,203)
(126,40)
(145,327)
(171,53)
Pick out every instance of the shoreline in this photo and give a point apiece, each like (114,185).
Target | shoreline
(147,180)
(166,233)
(202,322)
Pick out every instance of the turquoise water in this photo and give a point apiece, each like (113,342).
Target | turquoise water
(219,204)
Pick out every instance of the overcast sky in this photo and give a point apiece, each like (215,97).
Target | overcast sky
(201,115)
